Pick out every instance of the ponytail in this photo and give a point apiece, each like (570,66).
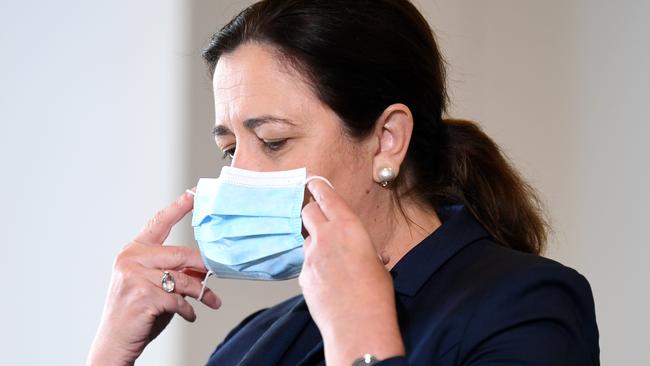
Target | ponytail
(476,174)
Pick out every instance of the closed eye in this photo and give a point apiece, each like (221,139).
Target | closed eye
(274,145)
(271,146)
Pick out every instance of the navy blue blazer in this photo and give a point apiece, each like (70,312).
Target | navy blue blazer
(461,300)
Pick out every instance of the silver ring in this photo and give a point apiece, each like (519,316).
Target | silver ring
(168,283)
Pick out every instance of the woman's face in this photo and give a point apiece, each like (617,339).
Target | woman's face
(268,119)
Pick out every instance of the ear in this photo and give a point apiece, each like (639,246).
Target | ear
(393,132)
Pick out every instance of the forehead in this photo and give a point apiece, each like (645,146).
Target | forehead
(250,81)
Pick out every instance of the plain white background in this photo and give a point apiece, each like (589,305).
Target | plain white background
(106,115)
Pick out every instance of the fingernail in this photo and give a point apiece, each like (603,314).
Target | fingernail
(189,193)
(311,187)
(315,195)
(318,177)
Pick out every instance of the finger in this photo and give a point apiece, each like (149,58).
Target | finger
(194,273)
(306,243)
(175,303)
(331,203)
(170,257)
(185,285)
(157,229)
(312,216)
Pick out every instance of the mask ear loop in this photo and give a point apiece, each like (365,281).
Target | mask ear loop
(205,280)
(319,178)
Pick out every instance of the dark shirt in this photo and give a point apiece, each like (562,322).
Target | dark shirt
(461,299)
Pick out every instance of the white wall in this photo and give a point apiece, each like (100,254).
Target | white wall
(91,144)
(563,87)
(106,114)
(106,117)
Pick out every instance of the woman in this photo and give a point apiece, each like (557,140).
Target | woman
(426,252)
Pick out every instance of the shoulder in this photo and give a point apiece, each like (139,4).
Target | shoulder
(485,271)
(497,267)
(538,306)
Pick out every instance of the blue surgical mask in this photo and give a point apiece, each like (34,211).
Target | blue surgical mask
(248,225)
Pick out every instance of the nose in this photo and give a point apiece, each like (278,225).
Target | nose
(246,158)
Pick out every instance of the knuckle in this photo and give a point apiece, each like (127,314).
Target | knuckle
(306,263)
(322,235)
(182,281)
(130,290)
(150,310)
(127,272)
(319,197)
(316,232)
(139,297)
(180,301)
(306,254)
(141,292)
(159,216)
(122,259)
(178,203)
(179,255)
(304,280)
(156,219)
(348,229)
(309,208)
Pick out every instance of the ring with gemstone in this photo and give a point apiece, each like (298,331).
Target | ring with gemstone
(168,283)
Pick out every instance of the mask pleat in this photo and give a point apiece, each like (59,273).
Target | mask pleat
(248,224)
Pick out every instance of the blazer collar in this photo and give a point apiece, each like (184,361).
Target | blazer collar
(270,347)
(459,229)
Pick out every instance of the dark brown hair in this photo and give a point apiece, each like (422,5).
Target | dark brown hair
(360,56)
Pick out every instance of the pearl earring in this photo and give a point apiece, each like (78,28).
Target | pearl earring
(386,175)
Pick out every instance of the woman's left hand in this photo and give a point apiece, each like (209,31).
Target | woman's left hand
(348,290)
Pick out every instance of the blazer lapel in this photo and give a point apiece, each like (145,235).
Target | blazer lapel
(314,356)
(278,338)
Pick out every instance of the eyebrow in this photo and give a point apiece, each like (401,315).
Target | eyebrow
(251,124)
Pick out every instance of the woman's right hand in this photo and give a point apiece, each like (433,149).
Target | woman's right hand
(137,309)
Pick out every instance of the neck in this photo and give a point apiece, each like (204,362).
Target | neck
(395,233)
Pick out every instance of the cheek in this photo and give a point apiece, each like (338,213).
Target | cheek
(339,163)
(347,164)
(351,172)
(355,190)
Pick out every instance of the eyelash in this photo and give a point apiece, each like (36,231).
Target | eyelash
(275,145)
(270,146)
(228,154)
